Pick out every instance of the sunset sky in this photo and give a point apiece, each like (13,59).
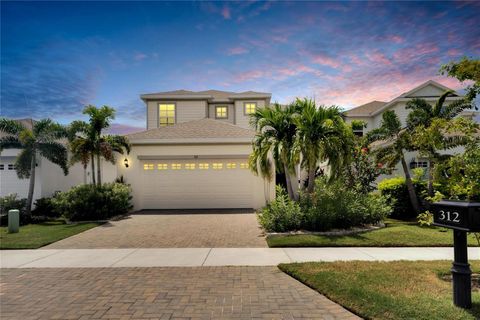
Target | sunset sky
(57,57)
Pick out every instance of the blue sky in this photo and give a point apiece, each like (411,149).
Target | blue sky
(57,57)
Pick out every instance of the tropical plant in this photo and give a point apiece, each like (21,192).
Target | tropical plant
(41,140)
(389,142)
(275,138)
(464,70)
(322,136)
(87,141)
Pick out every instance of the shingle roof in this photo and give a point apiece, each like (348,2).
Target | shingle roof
(365,109)
(196,129)
(212,95)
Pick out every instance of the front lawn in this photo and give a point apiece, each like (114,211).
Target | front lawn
(387,290)
(34,236)
(395,234)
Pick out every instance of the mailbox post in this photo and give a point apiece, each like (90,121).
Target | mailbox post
(462,217)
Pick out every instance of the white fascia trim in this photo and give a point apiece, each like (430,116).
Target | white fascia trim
(401,99)
(193,141)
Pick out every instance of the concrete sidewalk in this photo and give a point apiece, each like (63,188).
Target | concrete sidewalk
(196,257)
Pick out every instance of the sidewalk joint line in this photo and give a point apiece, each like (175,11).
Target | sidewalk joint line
(288,256)
(59,251)
(204,260)
(124,257)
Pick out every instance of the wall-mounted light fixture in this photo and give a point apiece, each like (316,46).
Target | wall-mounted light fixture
(125,162)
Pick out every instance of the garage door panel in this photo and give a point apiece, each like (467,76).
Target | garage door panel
(197,188)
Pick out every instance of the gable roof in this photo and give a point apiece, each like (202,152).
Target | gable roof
(375,107)
(209,95)
(365,109)
(203,130)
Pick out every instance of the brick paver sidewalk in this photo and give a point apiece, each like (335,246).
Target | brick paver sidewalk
(161,293)
(201,229)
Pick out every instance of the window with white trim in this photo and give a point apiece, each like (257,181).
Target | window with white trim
(244,165)
(231,165)
(11,166)
(250,107)
(203,166)
(2,166)
(221,112)
(166,114)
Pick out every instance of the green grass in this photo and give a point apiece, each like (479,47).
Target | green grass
(395,234)
(387,290)
(34,236)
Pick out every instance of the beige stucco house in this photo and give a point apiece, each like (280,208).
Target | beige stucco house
(371,114)
(194,153)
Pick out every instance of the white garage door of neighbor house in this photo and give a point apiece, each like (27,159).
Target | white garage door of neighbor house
(199,184)
(9,181)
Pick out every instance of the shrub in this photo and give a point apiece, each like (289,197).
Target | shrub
(88,202)
(334,205)
(10,202)
(425,219)
(396,190)
(44,207)
(282,214)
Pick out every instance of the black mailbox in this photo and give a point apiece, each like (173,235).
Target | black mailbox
(459,215)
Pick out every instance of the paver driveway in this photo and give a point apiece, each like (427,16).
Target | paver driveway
(161,293)
(174,229)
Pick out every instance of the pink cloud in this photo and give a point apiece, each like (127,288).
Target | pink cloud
(378,58)
(140,56)
(237,50)
(250,75)
(396,39)
(406,55)
(226,13)
(325,61)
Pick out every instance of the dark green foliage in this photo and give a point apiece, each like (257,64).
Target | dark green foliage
(88,202)
(395,189)
(12,202)
(332,205)
(44,208)
(282,214)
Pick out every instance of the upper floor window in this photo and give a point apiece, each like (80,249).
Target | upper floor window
(221,112)
(250,107)
(166,114)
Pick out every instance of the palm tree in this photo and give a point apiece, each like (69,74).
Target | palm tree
(87,141)
(421,116)
(389,142)
(322,136)
(276,132)
(40,140)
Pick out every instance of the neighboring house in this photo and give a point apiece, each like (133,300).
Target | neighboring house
(194,153)
(49,177)
(371,114)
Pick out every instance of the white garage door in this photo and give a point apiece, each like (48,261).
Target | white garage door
(185,184)
(9,181)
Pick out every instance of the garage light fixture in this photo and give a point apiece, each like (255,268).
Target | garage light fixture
(125,162)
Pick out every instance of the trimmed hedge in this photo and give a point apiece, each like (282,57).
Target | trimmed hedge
(88,202)
(396,190)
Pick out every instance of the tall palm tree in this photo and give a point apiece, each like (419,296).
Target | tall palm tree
(389,142)
(421,116)
(276,132)
(87,141)
(322,136)
(41,140)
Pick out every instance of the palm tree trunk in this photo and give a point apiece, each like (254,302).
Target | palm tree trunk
(410,188)
(288,182)
(311,179)
(430,179)
(99,172)
(31,187)
(93,169)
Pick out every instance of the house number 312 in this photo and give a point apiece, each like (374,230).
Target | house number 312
(449,216)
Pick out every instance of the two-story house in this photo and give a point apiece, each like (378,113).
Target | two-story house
(371,114)
(194,153)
